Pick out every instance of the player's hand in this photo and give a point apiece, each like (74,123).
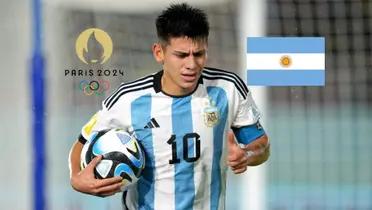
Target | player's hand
(236,157)
(252,154)
(85,182)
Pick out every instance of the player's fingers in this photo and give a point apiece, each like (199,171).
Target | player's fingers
(114,188)
(242,164)
(238,162)
(94,162)
(237,156)
(240,170)
(109,181)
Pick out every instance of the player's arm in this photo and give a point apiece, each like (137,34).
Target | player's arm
(74,158)
(84,180)
(253,148)
(258,151)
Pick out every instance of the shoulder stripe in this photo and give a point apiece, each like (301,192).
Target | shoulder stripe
(243,93)
(238,80)
(125,86)
(231,79)
(123,92)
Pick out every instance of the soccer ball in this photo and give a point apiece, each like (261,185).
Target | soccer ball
(122,155)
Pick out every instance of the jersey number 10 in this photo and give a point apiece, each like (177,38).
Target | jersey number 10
(186,138)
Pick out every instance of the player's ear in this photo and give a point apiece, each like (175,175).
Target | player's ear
(158,53)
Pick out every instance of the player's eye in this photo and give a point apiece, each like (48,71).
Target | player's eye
(199,54)
(181,55)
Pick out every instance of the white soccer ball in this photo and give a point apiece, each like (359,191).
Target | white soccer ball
(122,155)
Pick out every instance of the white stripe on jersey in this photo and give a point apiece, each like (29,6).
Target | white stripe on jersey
(164,173)
(203,167)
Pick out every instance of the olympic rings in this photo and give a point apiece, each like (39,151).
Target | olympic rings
(98,87)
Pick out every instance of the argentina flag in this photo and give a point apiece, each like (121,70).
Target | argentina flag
(286,61)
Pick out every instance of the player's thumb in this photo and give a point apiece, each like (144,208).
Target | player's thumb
(230,140)
(94,162)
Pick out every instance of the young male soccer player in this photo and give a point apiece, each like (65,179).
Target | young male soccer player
(182,116)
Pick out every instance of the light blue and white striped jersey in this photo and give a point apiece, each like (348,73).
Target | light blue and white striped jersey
(184,138)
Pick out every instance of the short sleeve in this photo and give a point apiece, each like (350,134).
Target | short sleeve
(87,129)
(247,112)
(103,119)
(246,125)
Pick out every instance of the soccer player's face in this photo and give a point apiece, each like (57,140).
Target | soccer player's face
(183,62)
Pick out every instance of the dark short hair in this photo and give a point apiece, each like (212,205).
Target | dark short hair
(180,20)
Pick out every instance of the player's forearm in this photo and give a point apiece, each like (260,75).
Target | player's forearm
(74,158)
(260,152)
(259,159)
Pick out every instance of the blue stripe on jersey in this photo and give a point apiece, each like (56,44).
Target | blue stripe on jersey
(184,171)
(141,114)
(218,95)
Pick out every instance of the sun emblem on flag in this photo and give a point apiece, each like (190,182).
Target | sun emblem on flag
(285,61)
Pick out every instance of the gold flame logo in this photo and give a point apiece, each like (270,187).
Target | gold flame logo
(93,46)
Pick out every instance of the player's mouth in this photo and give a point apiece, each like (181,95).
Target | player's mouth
(189,77)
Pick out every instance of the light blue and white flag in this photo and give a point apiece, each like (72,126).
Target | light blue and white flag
(286,61)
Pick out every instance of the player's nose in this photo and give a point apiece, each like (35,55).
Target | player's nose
(191,62)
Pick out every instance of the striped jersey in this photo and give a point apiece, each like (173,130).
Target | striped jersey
(184,138)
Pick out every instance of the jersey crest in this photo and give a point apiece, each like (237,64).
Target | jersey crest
(211,114)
